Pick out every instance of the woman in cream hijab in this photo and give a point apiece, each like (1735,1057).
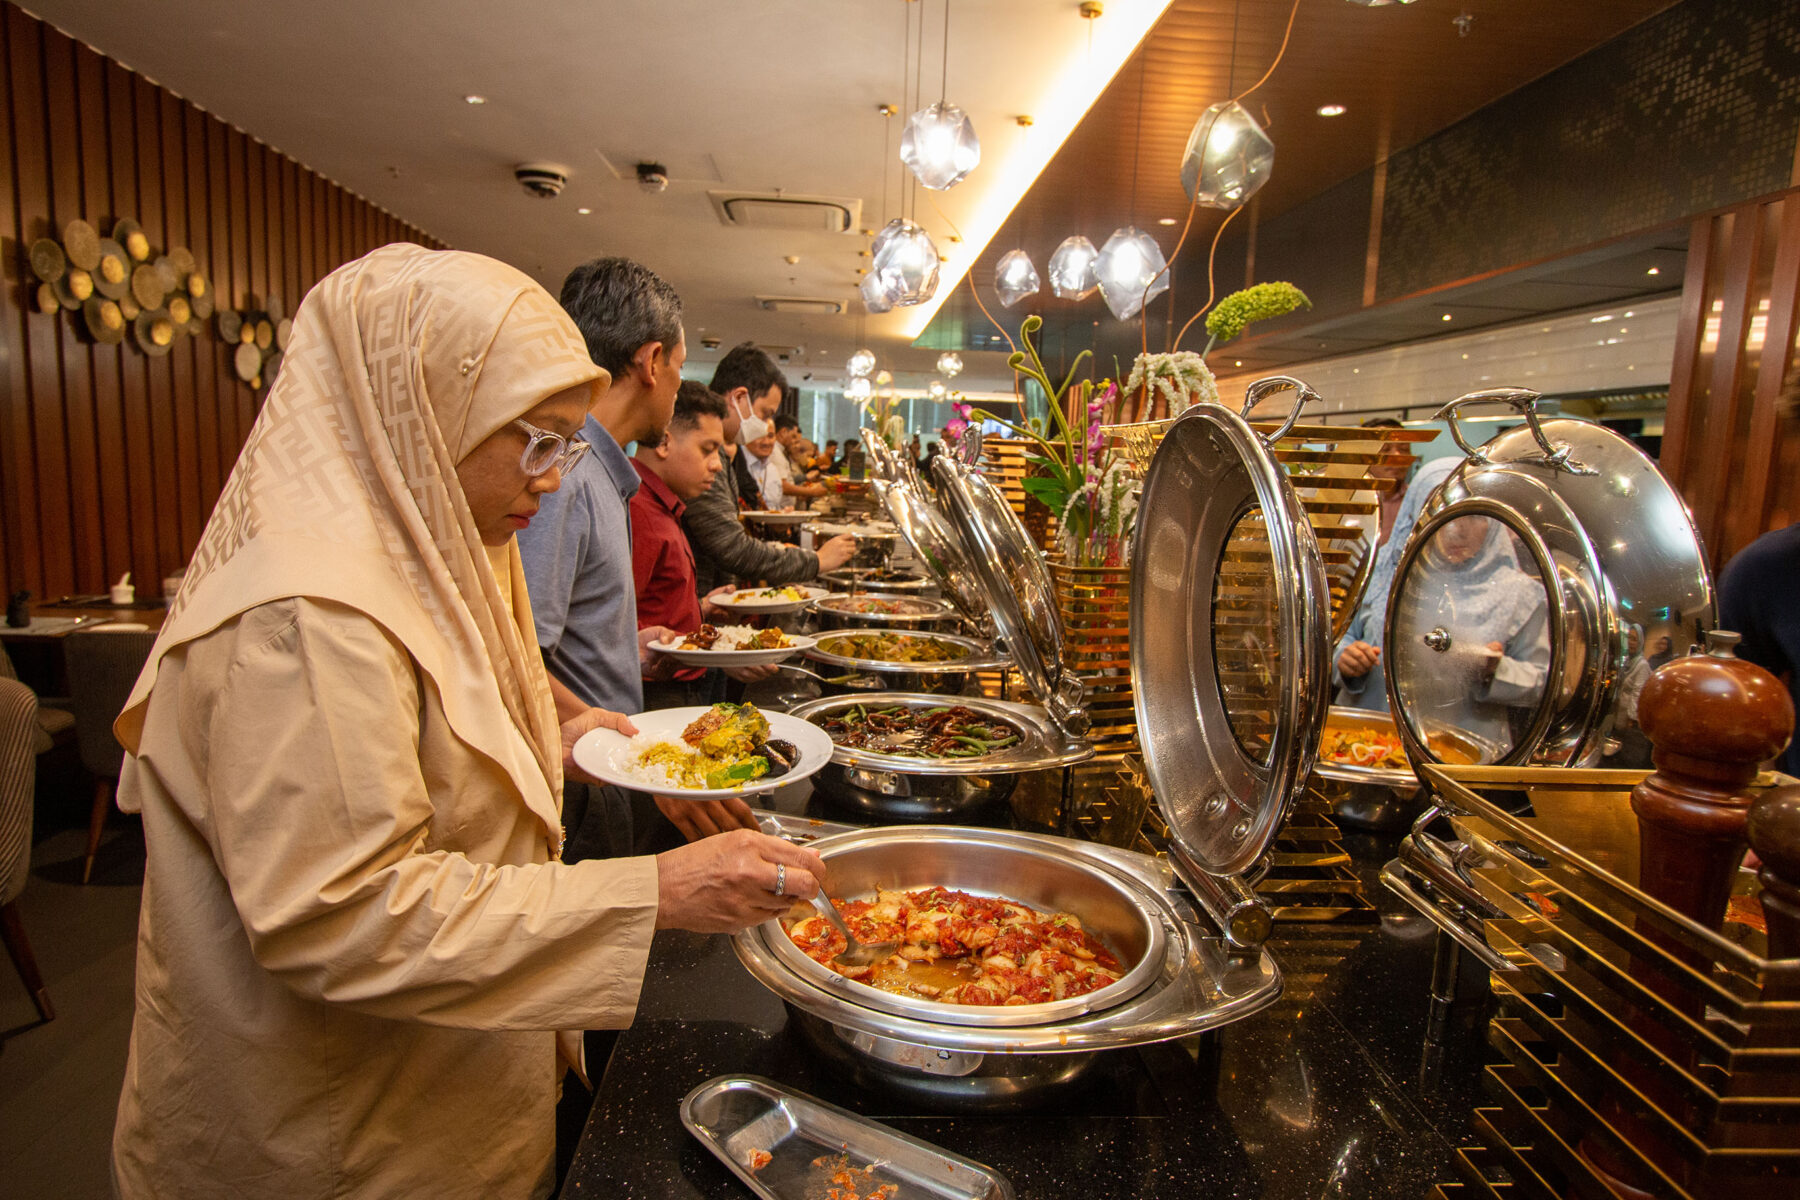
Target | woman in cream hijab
(356,942)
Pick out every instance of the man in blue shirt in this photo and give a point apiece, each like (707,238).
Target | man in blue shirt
(577,550)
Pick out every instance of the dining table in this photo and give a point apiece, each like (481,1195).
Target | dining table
(36,648)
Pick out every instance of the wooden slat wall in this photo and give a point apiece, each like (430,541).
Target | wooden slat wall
(1724,444)
(110,461)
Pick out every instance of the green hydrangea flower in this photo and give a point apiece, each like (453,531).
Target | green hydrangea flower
(1231,315)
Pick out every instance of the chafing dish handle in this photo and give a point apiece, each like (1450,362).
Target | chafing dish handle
(1261,389)
(1237,911)
(1524,402)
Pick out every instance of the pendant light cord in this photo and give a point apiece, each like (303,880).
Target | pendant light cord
(944,80)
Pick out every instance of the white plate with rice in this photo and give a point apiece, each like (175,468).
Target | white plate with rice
(733,636)
(611,757)
(791,598)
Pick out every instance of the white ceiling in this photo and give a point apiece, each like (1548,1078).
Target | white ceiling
(779,94)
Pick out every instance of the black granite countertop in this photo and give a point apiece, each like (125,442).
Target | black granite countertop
(1330,1092)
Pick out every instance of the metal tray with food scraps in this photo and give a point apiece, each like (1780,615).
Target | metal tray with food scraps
(785,1145)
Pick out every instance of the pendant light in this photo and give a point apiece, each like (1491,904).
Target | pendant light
(950,364)
(1072,269)
(937,390)
(1016,278)
(1228,157)
(939,145)
(906,266)
(859,389)
(1131,270)
(860,363)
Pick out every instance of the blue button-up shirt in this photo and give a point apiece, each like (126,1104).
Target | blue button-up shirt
(577,553)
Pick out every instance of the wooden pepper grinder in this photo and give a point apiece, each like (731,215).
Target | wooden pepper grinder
(1713,720)
(1774,830)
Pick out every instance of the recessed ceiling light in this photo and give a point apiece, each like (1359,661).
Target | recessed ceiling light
(1654,271)
(1240,362)
(475,99)
(1332,110)
(1165,220)
(1446,316)
(584,211)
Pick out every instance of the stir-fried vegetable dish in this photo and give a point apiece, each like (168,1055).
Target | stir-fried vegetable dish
(1363,748)
(727,745)
(949,731)
(893,647)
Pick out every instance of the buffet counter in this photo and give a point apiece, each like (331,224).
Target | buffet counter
(1325,1093)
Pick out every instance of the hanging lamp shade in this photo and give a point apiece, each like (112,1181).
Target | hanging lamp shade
(874,294)
(1131,270)
(1072,269)
(907,265)
(939,146)
(949,364)
(1228,157)
(937,390)
(859,389)
(860,363)
(1016,278)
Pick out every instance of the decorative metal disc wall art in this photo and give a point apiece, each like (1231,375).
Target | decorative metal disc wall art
(119,290)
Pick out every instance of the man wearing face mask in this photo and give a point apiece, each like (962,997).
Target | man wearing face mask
(724,552)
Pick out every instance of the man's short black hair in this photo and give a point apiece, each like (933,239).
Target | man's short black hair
(746,366)
(831,442)
(784,421)
(694,400)
(621,306)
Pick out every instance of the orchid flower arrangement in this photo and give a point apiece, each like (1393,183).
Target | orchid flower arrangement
(1092,490)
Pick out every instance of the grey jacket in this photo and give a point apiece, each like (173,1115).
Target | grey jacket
(725,553)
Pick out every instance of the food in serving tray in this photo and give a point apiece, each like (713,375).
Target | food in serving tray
(1363,747)
(894,606)
(735,637)
(725,746)
(948,731)
(893,647)
(959,948)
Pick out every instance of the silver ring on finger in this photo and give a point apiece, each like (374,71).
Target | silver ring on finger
(781,879)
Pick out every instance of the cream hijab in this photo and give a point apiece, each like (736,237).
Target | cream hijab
(401,363)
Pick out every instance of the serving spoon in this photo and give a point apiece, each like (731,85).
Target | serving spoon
(856,954)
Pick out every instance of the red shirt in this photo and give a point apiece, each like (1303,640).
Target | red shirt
(662,562)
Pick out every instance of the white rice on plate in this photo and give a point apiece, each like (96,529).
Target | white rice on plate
(731,637)
(653,775)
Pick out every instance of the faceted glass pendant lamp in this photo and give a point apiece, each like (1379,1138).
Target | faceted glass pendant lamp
(939,146)
(874,294)
(1228,157)
(949,364)
(1072,269)
(1016,278)
(937,390)
(1131,270)
(907,265)
(860,363)
(859,389)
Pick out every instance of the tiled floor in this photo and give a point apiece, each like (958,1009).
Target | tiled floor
(59,1080)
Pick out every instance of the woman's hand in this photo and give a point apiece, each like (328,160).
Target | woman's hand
(710,608)
(593,718)
(726,883)
(704,818)
(1358,659)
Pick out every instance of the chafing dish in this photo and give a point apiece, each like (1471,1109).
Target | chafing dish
(920,613)
(877,579)
(1606,570)
(899,787)
(1191,984)
(936,547)
(1387,798)
(949,677)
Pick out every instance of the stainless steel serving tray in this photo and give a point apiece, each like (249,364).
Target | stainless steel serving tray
(1197,984)
(1041,745)
(734,1115)
(1475,749)
(981,656)
(837,606)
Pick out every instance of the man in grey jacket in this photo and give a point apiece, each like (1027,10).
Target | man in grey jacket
(724,551)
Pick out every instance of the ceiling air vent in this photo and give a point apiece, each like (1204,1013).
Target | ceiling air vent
(782,210)
(800,304)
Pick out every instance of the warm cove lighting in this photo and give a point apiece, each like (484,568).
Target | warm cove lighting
(1332,110)
(1058,93)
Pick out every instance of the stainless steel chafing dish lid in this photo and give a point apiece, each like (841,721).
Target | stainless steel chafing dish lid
(980,657)
(1562,542)
(1017,587)
(841,604)
(934,543)
(1229,623)
(1041,744)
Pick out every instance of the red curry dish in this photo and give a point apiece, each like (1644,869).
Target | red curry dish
(958,948)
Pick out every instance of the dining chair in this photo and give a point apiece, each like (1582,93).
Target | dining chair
(19,734)
(103,664)
(54,724)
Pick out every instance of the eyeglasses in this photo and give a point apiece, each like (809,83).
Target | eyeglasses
(546,450)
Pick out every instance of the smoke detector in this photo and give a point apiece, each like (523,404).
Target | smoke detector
(652,177)
(710,343)
(542,179)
